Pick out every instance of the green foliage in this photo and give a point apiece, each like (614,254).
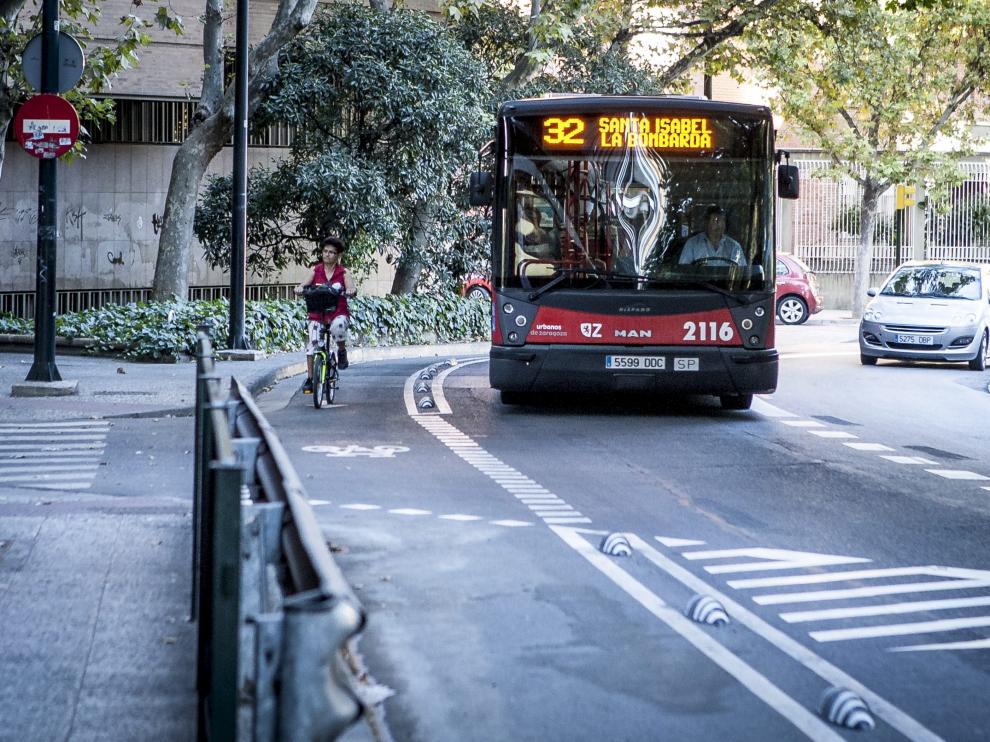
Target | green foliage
(103,61)
(389,113)
(412,319)
(11,325)
(849,218)
(877,85)
(164,331)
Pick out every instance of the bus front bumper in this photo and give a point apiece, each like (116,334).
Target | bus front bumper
(582,368)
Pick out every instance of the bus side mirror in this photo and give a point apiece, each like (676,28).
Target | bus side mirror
(481,189)
(788,182)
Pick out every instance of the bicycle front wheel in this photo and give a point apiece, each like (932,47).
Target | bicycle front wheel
(319,377)
(331,383)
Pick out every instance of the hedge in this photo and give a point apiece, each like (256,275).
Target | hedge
(167,330)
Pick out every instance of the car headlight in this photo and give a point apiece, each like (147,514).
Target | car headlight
(964,319)
(872,315)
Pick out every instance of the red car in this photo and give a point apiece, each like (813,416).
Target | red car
(798,296)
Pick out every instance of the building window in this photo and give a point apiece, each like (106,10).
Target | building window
(168,122)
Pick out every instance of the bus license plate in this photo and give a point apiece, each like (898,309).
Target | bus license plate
(686,364)
(651,363)
(916,339)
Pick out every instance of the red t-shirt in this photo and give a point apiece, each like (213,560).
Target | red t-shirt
(320,276)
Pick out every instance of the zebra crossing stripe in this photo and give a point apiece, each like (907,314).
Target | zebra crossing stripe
(897,718)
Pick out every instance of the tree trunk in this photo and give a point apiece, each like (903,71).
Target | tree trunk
(174,243)
(864,253)
(216,116)
(410,265)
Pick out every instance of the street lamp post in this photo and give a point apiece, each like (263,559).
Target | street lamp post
(44,368)
(238,250)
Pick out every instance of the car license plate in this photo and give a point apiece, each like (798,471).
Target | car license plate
(915,339)
(686,364)
(651,363)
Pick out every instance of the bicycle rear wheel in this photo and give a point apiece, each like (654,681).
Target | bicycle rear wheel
(319,376)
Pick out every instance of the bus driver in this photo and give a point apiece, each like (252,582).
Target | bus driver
(713,244)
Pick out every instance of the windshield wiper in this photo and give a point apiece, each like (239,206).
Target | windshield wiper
(560,275)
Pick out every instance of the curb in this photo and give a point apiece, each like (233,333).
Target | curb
(295,368)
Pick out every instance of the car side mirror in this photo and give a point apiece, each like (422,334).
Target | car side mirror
(481,189)
(788,181)
(872,291)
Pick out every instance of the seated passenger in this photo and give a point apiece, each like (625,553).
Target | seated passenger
(534,243)
(713,244)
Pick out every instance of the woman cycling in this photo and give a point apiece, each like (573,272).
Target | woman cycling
(329,272)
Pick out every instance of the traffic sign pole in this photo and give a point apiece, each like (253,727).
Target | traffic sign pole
(44,368)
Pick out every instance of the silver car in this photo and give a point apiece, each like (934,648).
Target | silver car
(929,311)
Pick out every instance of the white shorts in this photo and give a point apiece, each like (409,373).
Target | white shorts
(338,330)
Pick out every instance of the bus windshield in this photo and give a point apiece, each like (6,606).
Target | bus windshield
(637,200)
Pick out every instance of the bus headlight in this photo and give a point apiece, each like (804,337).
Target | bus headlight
(759,311)
(513,336)
(747,324)
(520,320)
(508,308)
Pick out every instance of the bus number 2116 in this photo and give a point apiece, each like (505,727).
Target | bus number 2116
(708,331)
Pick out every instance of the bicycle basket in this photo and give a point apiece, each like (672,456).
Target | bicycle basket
(321,299)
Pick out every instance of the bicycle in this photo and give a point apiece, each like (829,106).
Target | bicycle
(323,299)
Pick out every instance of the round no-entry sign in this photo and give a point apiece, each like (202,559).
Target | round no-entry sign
(46,126)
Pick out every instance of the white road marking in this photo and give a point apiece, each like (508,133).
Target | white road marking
(958,474)
(754,681)
(22,438)
(675,542)
(910,460)
(901,629)
(39,477)
(889,609)
(319,502)
(523,488)
(409,511)
(803,423)
(53,446)
(870,592)
(894,716)
(867,446)
(772,559)
(974,644)
(361,506)
(61,485)
(985,488)
(766,409)
(33,466)
(850,575)
(460,517)
(55,426)
(832,434)
(511,523)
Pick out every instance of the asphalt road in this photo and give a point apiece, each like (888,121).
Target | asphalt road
(841,523)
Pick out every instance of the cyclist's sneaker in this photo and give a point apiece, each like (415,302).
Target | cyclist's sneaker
(308,386)
(342,358)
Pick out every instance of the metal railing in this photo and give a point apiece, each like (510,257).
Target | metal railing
(274,610)
(21,303)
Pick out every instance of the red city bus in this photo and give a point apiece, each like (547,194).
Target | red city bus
(633,246)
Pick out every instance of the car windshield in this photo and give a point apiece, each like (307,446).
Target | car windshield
(936,281)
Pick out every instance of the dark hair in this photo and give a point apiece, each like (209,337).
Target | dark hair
(713,210)
(336,242)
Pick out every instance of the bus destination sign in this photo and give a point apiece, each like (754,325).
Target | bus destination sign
(628,131)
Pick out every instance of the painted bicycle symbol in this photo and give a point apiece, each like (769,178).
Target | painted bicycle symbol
(386,451)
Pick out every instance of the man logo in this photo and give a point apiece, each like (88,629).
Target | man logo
(591,329)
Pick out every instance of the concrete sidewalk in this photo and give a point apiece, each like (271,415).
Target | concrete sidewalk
(95,641)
